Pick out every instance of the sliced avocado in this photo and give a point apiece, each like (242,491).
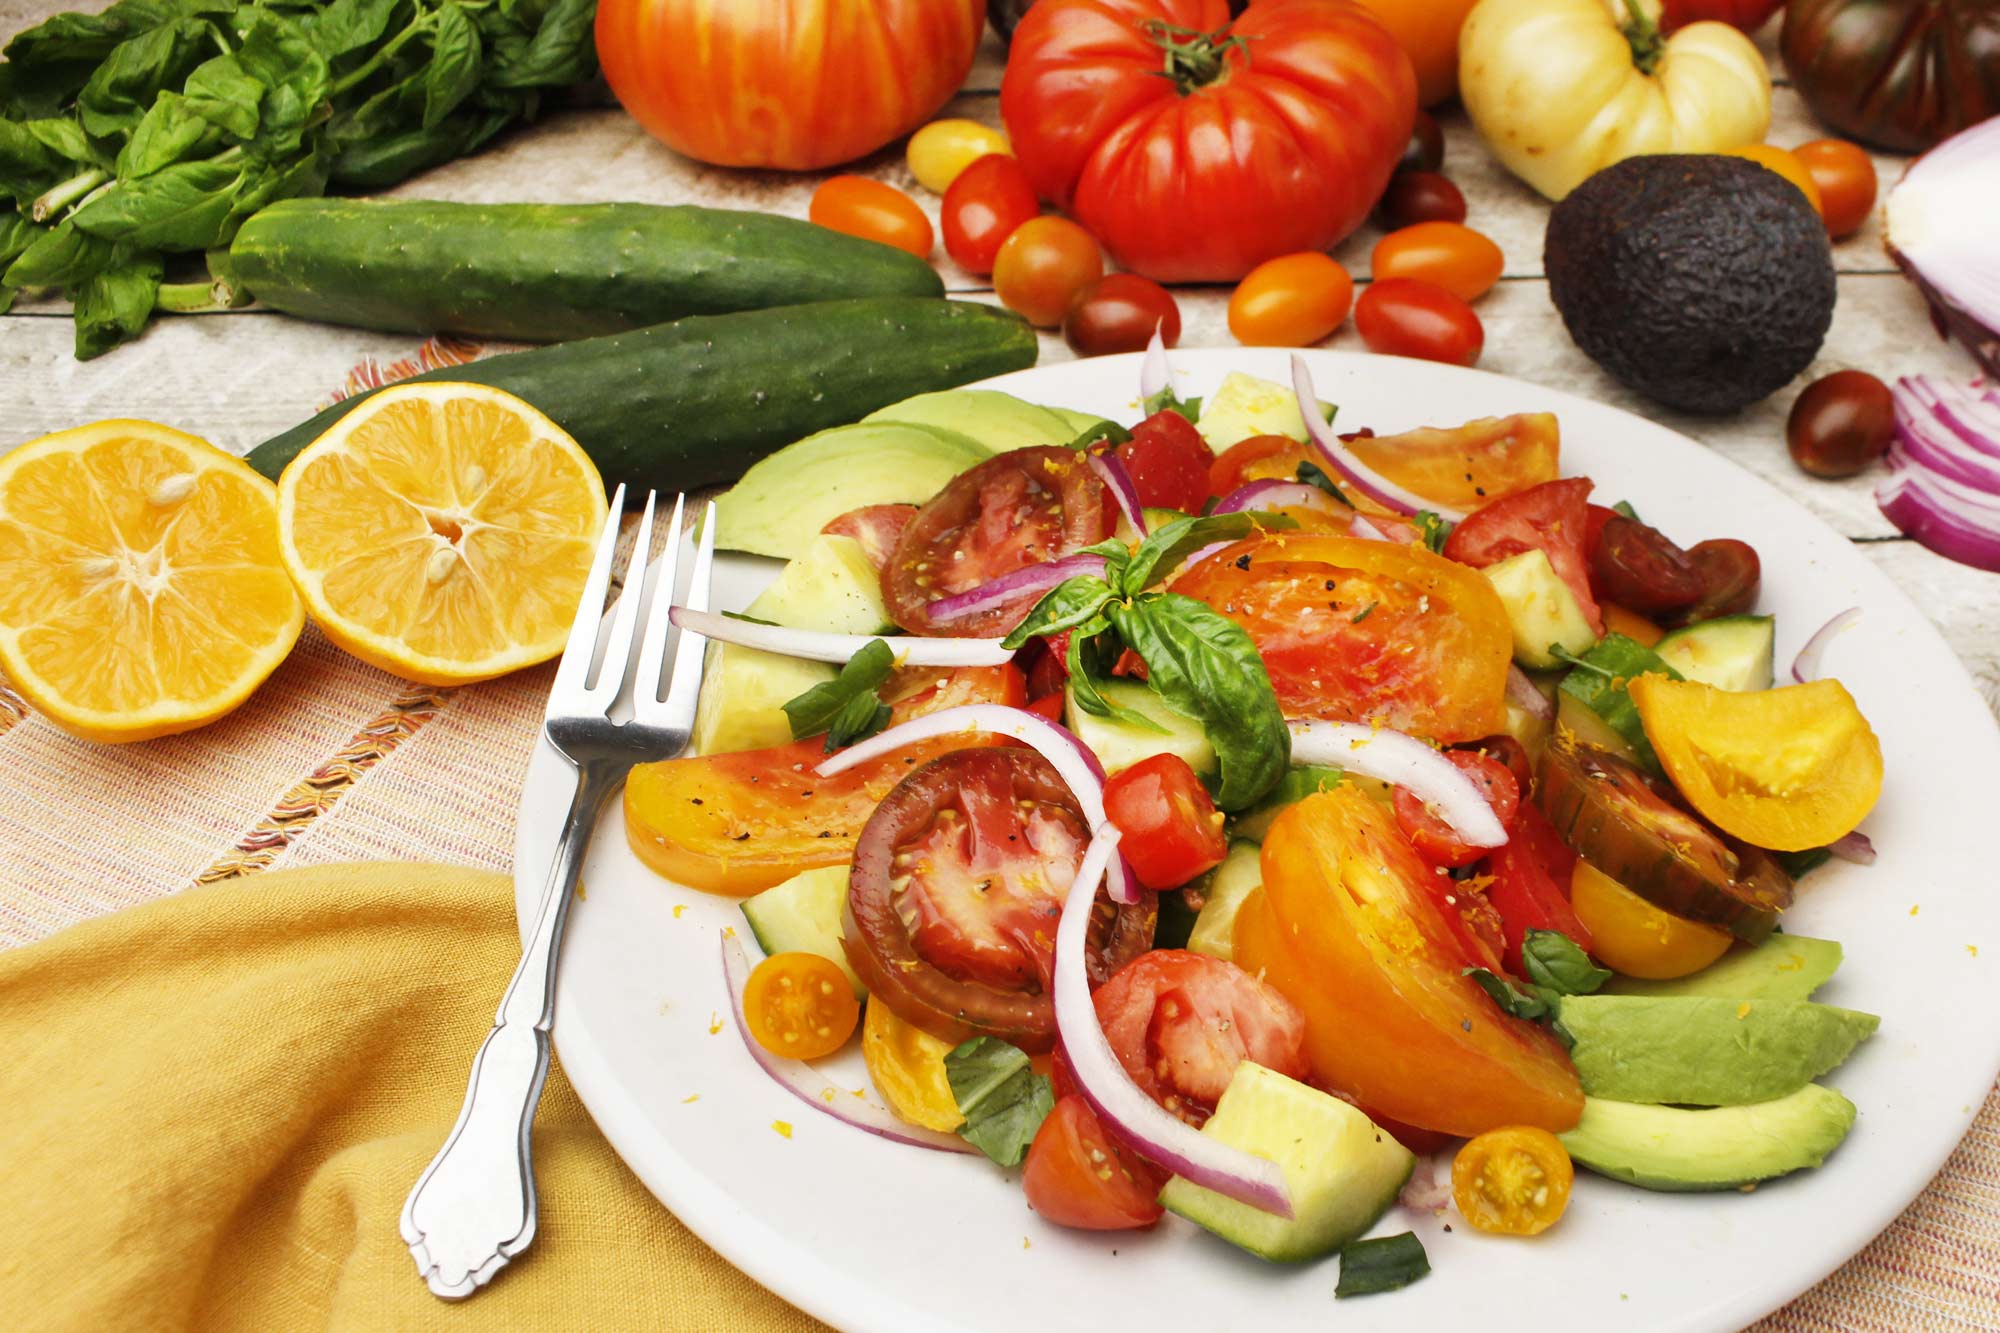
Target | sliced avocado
(830,587)
(1723,1148)
(1245,406)
(802,915)
(784,500)
(1702,1050)
(743,691)
(1119,745)
(1227,886)
(1297,784)
(1783,967)
(995,421)
(1341,1171)
(1541,608)
(1729,652)
(1078,422)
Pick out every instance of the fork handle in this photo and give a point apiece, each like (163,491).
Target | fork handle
(473,1208)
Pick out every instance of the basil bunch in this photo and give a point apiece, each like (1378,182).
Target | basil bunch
(158,126)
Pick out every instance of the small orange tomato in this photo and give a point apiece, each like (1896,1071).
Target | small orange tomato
(873,211)
(1786,164)
(800,1005)
(1513,1181)
(1845,175)
(1617,620)
(1449,254)
(1042,267)
(1290,301)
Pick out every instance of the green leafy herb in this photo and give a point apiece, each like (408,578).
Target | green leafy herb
(113,304)
(1387,1263)
(1100,432)
(1799,864)
(1362,614)
(749,619)
(1169,544)
(1312,474)
(847,707)
(1597,680)
(1625,507)
(1002,1098)
(1067,605)
(1554,962)
(1434,529)
(1530,1002)
(1166,400)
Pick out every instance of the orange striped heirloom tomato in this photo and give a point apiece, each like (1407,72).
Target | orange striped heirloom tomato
(800,85)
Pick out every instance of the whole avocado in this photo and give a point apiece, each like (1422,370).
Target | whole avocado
(1702,281)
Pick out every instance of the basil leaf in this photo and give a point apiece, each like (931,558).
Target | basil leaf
(1530,1002)
(859,718)
(1387,1263)
(1164,549)
(181,207)
(1434,529)
(170,131)
(1312,474)
(16,235)
(831,703)
(455,65)
(1101,432)
(1799,864)
(226,95)
(59,257)
(1083,680)
(66,139)
(1002,1098)
(1065,606)
(7,297)
(1625,507)
(121,88)
(1554,961)
(1597,680)
(563,50)
(1206,667)
(112,306)
(349,25)
(1166,400)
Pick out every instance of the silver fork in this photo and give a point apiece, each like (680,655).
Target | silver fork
(473,1208)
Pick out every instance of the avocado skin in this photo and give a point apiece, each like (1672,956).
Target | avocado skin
(1678,1150)
(1704,282)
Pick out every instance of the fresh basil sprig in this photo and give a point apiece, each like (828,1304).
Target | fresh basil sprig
(1002,1098)
(1312,474)
(1598,678)
(1100,432)
(1386,1263)
(847,708)
(1556,967)
(1434,529)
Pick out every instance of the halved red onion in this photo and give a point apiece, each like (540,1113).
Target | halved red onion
(817,647)
(1937,224)
(1406,761)
(1070,757)
(1035,579)
(814,1088)
(1276,493)
(1157,1134)
(1854,847)
(1344,461)
(1521,692)
(1423,1192)
(1111,471)
(1805,666)
(1360,526)
(1957,521)
(1153,374)
(1951,429)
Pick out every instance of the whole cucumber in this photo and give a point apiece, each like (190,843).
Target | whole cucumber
(548,272)
(695,402)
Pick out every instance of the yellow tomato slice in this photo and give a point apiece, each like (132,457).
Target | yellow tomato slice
(1630,935)
(1788,768)
(907,1066)
(1513,1181)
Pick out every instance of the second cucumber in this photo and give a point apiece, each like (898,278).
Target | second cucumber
(548,272)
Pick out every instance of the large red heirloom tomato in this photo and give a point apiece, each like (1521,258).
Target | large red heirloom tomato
(799,85)
(1196,149)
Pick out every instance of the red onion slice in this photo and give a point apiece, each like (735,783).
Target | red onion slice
(1423,1192)
(1071,758)
(1111,471)
(1406,761)
(1035,579)
(1956,521)
(1943,427)
(1521,692)
(1276,493)
(1158,1135)
(814,1088)
(1805,667)
(1937,224)
(815,646)
(1359,526)
(1854,847)
(1343,460)
(1153,376)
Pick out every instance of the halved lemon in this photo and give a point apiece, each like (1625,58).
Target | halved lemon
(442,531)
(140,588)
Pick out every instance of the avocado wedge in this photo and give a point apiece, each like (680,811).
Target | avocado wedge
(1705,1051)
(1728,1147)
(1783,967)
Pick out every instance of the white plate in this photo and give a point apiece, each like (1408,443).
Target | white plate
(870,1235)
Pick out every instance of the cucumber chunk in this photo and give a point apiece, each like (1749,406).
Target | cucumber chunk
(802,915)
(1541,608)
(1228,885)
(1729,652)
(1245,406)
(743,693)
(1119,745)
(1342,1171)
(830,587)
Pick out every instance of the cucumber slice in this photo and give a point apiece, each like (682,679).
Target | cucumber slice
(1119,746)
(743,694)
(1342,1171)
(1541,608)
(1729,652)
(830,587)
(1245,406)
(802,915)
(1228,885)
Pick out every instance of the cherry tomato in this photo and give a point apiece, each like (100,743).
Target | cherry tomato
(1406,317)
(1454,257)
(1730,572)
(1513,1181)
(1168,462)
(800,1005)
(1118,313)
(1078,1175)
(1845,175)
(1290,301)
(1772,158)
(1630,935)
(1042,267)
(1425,150)
(984,205)
(939,151)
(1638,567)
(1436,839)
(1255,459)
(1172,829)
(1419,196)
(1551,517)
(873,211)
(1840,424)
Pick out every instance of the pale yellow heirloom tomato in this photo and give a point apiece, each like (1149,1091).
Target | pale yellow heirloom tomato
(1561,89)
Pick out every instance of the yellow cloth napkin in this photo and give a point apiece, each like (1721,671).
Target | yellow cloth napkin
(212,1106)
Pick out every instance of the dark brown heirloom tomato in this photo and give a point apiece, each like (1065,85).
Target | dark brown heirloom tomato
(957,887)
(1615,817)
(1016,509)
(1898,74)
(1730,572)
(1118,313)
(1425,150)
(1641,569)
(1840,424)
(1419,196)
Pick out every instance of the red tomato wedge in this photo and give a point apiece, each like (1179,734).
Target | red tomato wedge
(1078,1175)
(876,527)
(1554,517)
(1530,887)
(1169,462)
(1172,830)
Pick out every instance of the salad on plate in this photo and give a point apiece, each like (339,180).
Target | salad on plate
(1229,817)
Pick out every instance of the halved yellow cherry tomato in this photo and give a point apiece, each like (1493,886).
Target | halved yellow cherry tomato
(1513,1181)
(943,148)
(1787,769)
(800,1005)
(1630,935)
(907,1066)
